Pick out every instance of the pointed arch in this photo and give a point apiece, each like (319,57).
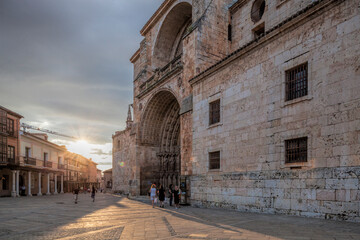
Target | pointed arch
(168,42)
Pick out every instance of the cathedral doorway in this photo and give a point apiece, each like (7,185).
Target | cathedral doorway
(160,134)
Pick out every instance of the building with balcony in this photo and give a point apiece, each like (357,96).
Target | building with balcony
(9,150)
(81,172)
(42,164)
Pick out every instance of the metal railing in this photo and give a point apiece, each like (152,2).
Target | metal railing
(11,160)
(61,166)
(48,164)
(30,161)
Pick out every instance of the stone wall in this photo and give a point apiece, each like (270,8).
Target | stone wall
(256,120)
(331,193)
(124,166)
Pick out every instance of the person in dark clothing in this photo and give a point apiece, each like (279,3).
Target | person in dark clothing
(93,190)
(76,194)
(170,193)
(176,196)
(161,193)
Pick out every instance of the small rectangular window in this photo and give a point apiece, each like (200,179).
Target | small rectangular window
(297,82)
(27,152)
(214,160)
(214,112)
(11,154)
(296,150)
(259,30)
(10,127)
(229,32)
(46,156)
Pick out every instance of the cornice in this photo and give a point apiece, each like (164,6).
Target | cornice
(33,137)
(11,112)
(237,5)
(135,56)
(156,16)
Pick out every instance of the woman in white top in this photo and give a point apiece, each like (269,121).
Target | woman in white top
(152,193)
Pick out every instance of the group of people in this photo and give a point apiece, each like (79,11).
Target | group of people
(160,193)
(76,194)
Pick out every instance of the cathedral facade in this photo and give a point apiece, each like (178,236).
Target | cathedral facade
(250,105)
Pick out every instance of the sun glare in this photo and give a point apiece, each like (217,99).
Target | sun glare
(81,141)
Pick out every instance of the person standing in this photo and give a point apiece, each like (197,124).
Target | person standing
(76,194)
(152,194)
(170,193)
(93,190)
(176,195)
(161,196)
(23,189)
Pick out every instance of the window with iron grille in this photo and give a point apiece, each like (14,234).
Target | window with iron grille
(214,160)
(3,149)
(296,150)
(10,127)
(297,82)
(3,121)
(214,112)
(11,154)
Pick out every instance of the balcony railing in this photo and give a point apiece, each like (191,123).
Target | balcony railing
(61,166)
(161,74)
(30,161)
(11,134)
(48,164)
(11,160)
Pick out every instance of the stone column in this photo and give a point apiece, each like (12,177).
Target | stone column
(39,193)
(48,184)
(17,183)
(55,181)
(13,191)
(62,183)
(29,184)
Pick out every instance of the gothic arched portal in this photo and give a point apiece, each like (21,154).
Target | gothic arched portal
(160,135)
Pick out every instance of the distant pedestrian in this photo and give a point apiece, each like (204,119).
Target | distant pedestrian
(161,193)
(93,190)
(23,189)
(152,192)
(176,195)
(76,194)
(170,194)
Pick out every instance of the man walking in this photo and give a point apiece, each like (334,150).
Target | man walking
(76,194)
(93,190)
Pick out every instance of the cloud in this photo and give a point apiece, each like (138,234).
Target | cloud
(98,151)
(67,62)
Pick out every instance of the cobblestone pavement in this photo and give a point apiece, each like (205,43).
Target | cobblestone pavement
(114,217)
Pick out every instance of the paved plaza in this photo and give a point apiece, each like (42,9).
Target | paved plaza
(114,217)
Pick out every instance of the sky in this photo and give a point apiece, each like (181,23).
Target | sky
(64,66)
